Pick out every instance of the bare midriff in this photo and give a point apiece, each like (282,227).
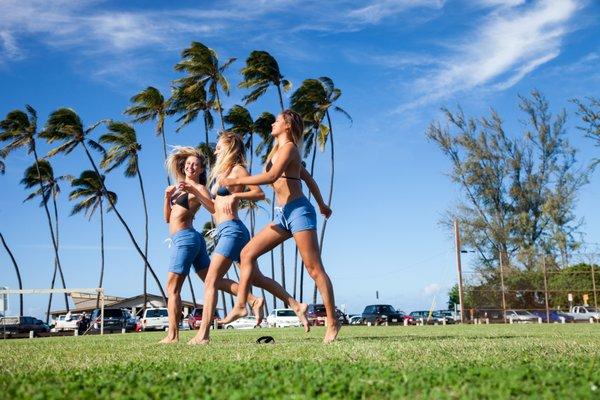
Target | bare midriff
(182,218)
(287,190)
(221,214)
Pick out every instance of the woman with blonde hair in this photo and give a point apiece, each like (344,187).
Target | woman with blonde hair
(295,217)
(232,235)
(182,201)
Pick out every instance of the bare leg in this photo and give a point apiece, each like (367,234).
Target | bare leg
(174,282)
(308,246)
(230,286)
(274,287)
(266,240)
(218,267)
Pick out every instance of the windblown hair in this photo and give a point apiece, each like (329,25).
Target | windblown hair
(176,163)
(232,153)
(294,120)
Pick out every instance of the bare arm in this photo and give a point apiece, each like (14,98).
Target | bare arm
(254,192)
(284,156)
(167,205)
(201,193)
(314,189)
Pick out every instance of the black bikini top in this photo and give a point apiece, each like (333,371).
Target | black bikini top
(223,191)
(183,200)
(270,164)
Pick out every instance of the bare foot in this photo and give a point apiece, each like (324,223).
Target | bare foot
(332,332)
(257,309)
(169,340)
(300,311)
(198,341)
(235,313)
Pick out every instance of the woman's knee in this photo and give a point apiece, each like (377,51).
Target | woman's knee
(315,270)
(247,257)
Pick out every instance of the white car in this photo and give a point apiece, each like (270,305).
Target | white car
(154,318)
(521,316)
(283,317)
(584,313)
(248,322)
(355,320)
(68,322)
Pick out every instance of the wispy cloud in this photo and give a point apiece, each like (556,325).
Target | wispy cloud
(514,40)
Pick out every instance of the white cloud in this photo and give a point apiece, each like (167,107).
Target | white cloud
(381,9)
(511,43)
(432,289)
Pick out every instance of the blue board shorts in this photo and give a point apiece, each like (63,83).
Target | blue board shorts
(189,248)
(297,215)
(231,238)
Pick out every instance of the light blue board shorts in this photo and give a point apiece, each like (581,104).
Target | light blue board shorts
(297,215)
(231,238)
(189,248)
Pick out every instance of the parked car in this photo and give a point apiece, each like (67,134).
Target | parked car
(316,315)
(584,313)
(14,325)
(282,317)
(441,315)
(381,313)
(115,319)
(555,316)
(355,320)
(521,316)
(248,322)
(195,318)
(68,322)
(154,319)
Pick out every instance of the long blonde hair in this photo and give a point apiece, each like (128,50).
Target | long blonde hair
(175,163)
(232,153)
(297,130)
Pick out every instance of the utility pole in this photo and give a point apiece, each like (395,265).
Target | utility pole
(459,270)
(594,285)
(502,285)
(546,289)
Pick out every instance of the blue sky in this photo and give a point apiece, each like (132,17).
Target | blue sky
(396,62)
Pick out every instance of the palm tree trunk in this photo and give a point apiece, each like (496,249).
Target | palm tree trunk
(12,258)
(331,176)
(55,260)
(220,107)
(145,230)
(161,132)
(101,252)
(295,271)
(205,129)
(192,291)
(54,241)
(280,97)
(118,214)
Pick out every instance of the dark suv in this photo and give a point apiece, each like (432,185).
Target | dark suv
(316,315)
(115,319)
(378,314)
(14,325)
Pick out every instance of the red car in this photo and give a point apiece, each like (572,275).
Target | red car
(195,318)
(316,315)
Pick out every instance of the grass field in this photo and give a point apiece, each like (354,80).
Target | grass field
(557,361)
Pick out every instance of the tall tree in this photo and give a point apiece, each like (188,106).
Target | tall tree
(64,125)
(202,67)
(51,189)
(261,71)
(89,189)
(124,150)
(17,271)
(313,100)
(188,100)
(19,129)
(519,193)
(590,115)
(150,105)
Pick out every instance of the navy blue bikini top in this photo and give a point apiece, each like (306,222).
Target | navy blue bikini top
(183,200)
(223,191)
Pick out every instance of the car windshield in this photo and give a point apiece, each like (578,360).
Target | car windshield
(319,308)
(387,309)
(286,313)
(113,313)
(592,309)
(156,313)
(524,313)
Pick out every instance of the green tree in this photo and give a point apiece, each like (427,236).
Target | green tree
(150,105)
(188,100)
(17,271)
(260,72)
(202,67)
(19,129)
(519,193)
(64,125)
(124,150)
(89,189)
(49,188)
(453,298)
(590,116)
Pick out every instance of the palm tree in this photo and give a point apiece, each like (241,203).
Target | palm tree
(51,187)
(202,66)
(64,125)
(150,105)
(89,187)
(19,128)
(16,266)
(189,99)
(124,149)
(2,167)
(262,70)
(313,100)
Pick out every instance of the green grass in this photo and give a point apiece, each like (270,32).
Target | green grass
(557,361)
